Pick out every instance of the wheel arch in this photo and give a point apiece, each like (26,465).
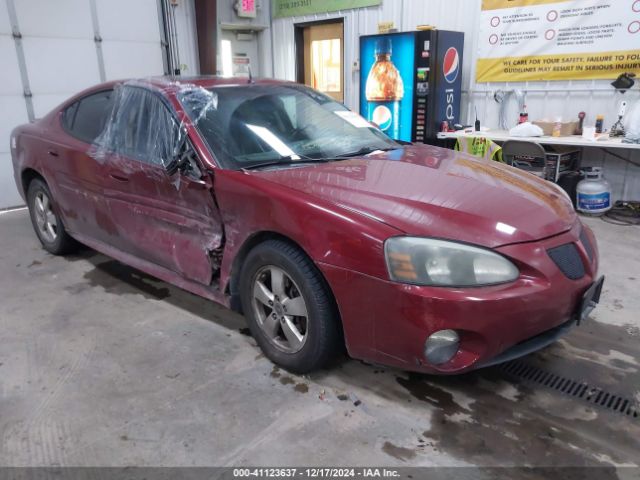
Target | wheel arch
(27,176)
(255,239)
(232,288)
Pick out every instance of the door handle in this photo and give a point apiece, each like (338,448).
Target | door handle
(53,153)
(118,176)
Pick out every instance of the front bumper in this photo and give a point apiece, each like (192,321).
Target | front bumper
(388,323)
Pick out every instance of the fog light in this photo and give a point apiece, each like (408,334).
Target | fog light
(441,346)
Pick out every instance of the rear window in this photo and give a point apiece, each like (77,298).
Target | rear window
(86,118)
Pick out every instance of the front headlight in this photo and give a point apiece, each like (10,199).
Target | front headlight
(427,261)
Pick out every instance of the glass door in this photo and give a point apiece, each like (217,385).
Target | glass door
(323,54)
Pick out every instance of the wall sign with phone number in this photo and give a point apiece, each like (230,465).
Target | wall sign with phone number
(291,8)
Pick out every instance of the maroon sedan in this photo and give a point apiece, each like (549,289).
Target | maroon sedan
(272,199)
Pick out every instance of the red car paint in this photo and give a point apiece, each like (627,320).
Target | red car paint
(340,214)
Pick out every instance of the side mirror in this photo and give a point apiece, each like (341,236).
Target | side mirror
(185,162)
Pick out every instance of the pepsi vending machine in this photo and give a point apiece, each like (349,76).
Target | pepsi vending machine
(411,82)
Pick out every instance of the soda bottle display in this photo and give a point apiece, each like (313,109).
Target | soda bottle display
(384,90)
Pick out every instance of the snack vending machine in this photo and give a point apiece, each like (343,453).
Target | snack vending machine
(411,82)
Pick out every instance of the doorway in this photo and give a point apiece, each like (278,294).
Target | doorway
(320,56)
(239,53)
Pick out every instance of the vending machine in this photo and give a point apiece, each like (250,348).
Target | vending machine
(411,82)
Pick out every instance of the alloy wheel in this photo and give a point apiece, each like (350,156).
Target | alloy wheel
(45,218)
(280,309)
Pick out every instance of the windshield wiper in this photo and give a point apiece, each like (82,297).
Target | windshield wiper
(285,160)
(363,151)
(295,160)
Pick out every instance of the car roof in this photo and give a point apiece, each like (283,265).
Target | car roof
(205,81)
(171,85)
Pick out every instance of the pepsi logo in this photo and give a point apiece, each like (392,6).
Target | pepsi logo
(382,117)
(451,65)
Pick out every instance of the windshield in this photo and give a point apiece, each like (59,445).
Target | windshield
(266,124)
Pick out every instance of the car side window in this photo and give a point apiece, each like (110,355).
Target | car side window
(145,129)
(86,118)
(158,133)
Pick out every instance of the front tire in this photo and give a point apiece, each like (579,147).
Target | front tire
(289,308)
(46,221)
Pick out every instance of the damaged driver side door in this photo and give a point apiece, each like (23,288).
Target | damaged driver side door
(168,218)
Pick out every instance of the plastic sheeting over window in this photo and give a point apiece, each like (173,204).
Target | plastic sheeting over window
(142,127)
(198,101)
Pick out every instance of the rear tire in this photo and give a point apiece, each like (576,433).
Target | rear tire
(289,307)
(46,221)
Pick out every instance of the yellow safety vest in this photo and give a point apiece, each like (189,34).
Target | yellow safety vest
(480,147)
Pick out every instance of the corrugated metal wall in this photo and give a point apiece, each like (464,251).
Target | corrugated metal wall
(544,99)
(61,58)
(185,14)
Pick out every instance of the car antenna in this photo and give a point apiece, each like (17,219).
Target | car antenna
(250,74)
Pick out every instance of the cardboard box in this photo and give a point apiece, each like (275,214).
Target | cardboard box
(556,162)
(561,160)
(567,129)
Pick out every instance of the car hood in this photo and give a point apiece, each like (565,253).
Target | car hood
(431,191)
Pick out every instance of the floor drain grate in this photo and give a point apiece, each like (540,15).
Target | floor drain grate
(572,388)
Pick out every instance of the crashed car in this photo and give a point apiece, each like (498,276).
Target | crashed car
(276,201)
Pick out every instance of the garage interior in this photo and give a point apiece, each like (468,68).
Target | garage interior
(105,366)
(102,365)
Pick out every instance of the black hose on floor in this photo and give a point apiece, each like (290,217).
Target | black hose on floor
(623,213)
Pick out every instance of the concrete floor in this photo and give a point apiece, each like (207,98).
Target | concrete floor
(102,365)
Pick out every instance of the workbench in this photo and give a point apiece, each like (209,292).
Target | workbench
(603,141)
